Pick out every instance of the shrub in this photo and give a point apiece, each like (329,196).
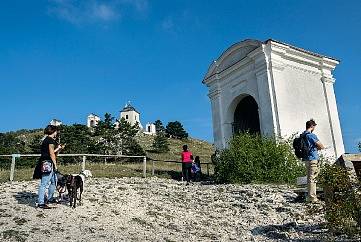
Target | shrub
(342,200)
(252,158)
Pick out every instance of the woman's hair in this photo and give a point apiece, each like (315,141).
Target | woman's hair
(196,159)
(50,129)
(185,147)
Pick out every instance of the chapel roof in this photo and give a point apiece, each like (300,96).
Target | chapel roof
(128,107)
(238,51)
(55,120)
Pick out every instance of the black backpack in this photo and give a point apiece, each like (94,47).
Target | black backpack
(300,144)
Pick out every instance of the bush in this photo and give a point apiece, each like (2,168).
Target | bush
(252,158)
(342,200)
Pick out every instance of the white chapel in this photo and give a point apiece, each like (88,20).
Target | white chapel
(92,120)
(273,88)
(131,115)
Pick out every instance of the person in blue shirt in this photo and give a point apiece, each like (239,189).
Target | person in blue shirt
(312,159)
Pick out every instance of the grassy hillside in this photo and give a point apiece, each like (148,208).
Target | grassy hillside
(200,148)
(120,169)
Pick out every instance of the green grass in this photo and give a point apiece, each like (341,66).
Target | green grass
(109,170)
(200,148)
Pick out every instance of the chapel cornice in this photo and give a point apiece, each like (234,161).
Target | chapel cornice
(297,58)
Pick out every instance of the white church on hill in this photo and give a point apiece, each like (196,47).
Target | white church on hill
(92,120)
(273,88)
(129,114)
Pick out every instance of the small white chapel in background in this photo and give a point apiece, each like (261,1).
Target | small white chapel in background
(92,120)
(273,88)
(55,122)
(129,114)
(150,129)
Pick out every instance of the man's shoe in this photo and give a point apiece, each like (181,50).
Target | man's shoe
(43,206)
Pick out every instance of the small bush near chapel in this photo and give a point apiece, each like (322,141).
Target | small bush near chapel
(342,200)
(252,158)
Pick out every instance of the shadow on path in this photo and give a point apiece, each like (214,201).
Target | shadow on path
(281,232)
(28,198)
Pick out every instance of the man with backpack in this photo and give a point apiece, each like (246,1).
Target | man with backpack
(309,145)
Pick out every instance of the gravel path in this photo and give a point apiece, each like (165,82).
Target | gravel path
(153,209)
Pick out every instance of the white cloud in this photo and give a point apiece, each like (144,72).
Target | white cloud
(93,11)
(104,12)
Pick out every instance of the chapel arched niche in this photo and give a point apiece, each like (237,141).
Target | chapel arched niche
(246,116)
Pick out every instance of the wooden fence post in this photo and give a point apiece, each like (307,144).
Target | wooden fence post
(145,167)
(83,163)
(12,169)
(152,167)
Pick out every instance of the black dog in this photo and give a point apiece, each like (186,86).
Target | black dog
(75,183)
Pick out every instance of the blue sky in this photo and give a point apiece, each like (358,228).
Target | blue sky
(65,58)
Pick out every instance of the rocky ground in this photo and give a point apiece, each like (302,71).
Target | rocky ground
(153,209)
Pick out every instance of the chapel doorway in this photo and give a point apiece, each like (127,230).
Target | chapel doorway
(246,117)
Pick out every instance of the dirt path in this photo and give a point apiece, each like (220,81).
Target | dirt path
(153,209)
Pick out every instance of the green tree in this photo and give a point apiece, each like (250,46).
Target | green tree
(10,144)
(104,134)
(117,139)
(103,126)
(159,126)
(125,142)
(35,144)
(78,140)
(175,129)
(160,143)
